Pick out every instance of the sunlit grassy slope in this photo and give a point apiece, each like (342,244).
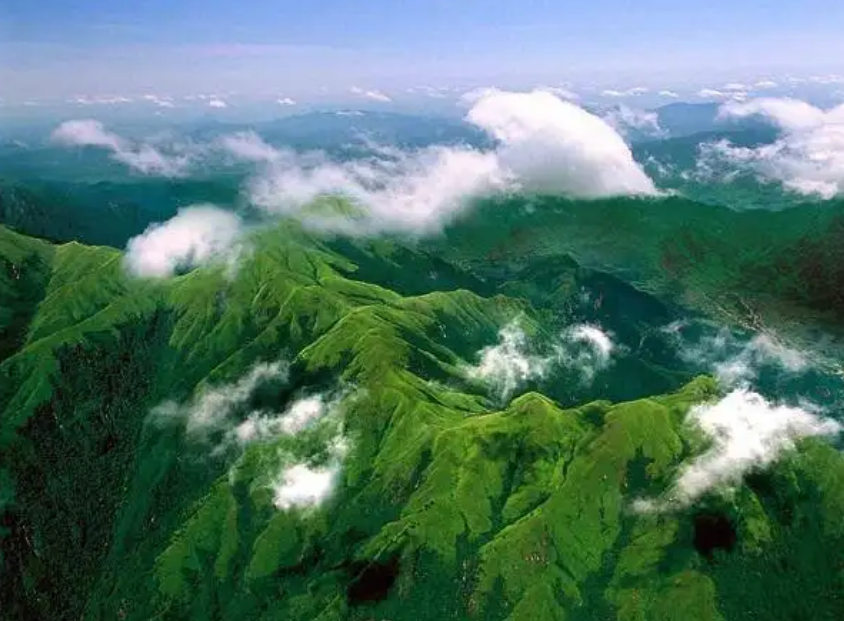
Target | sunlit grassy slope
(450,503)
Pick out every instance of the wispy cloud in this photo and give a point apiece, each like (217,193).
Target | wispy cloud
(159,100)
(561,92)
(305,486)
(628,120)
(195,236)
(212,408)
(508,365)
(736,359)
(807,158)
(217,103)
(746,433)
(296,418)
(100,100)
(141,157)
(630,92)
(372,95)
(585,348)
(828,79)
(669,94)
(711,93)
(250,147)
(582,349)
(285,101)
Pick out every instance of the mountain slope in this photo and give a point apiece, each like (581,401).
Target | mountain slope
(155,437)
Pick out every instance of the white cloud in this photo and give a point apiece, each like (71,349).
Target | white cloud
(735,359)
(217,103)
(551,145)
(826,79)
(306,486)
(248,146)
(373,95)
(562,93)
(761,350)
(585,349)
(414,191)
(507,365)
(303,486)
(87,132)
(211,409)
(747,432)
(160,100)
(544,145)
(301,414)
(433,92)
(711,93)
(89,101)
(285,101)
(765,84)
(195,236)
(141,157)
(669,94)
(735,86)
(625,119)
(630,92)
(807,158)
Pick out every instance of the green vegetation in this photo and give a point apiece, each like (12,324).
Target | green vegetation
(448,505)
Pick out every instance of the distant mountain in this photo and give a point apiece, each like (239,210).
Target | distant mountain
(342,129)
(103,213)
(684,119)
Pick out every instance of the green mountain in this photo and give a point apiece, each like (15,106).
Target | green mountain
(147,471)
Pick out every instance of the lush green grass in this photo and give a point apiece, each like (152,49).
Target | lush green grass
(449,505)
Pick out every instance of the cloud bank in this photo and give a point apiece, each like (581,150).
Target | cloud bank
(545,144)
(144,158)
(195,236)
(807,158)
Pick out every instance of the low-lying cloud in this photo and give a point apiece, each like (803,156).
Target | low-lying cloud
(219,417)
(212,408)
(507,365)
(735,358)
(746,432)
(626,121)
(195,236)
(306,486)
(544,144)
(295,419)
(807,158)
(585,349)
(371,94)
(141,157)
(582,350)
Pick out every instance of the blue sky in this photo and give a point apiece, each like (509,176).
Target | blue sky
(320,49)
